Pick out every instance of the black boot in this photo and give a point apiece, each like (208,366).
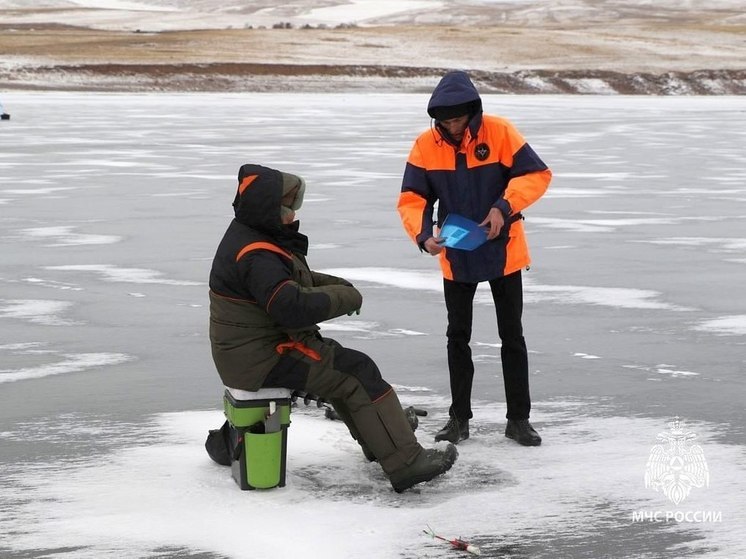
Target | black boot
(454,431)
(429,463)
(521,431)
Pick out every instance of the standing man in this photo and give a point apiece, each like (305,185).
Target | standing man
(480,167)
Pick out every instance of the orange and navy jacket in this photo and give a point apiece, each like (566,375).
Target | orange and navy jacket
(264,299)
(492,167)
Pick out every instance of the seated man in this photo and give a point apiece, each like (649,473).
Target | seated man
(265,303)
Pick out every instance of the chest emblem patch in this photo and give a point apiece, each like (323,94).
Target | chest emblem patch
(482,151)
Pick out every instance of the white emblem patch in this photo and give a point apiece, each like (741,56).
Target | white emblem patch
(677,466)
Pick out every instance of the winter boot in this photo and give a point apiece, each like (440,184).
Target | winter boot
(521,431)
(454,431)
(429,463)
(344,414)
(383,427)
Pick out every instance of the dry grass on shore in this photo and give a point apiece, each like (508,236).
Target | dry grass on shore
(639,58)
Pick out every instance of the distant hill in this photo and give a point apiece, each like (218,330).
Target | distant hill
(532,46)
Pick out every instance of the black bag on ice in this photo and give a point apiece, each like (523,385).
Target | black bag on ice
(221,444)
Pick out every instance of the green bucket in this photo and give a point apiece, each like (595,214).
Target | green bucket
(262,455)
(264,459)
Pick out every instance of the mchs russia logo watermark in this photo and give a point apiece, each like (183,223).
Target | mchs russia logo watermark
(675,467)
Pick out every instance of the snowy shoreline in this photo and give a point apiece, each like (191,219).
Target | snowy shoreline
(318,78)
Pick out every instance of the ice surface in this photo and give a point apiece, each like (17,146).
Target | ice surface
(160,495)
(634,314)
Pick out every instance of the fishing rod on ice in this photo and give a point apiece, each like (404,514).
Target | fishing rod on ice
(456,543)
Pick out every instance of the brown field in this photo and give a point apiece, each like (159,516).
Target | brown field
(504,58)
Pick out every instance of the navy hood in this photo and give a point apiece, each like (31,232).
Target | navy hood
(454,91)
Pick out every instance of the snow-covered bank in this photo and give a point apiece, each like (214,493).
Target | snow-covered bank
(237,77)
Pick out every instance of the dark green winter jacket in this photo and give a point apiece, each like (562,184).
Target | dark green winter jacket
(264,299)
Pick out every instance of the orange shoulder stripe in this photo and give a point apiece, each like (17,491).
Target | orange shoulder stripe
(431,154)
(262,246)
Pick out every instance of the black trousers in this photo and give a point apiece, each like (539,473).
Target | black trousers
(507,293)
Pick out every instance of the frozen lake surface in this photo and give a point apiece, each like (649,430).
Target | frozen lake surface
(111,207)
